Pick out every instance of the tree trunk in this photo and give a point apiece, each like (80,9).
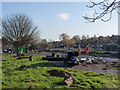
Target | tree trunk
(18,52)
(25,49)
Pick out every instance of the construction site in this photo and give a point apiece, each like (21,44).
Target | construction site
(100,63)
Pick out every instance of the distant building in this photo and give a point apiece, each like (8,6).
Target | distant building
(114,46)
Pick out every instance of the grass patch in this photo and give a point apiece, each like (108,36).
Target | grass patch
(34,74)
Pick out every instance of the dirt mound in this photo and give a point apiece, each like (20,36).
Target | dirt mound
(68,77)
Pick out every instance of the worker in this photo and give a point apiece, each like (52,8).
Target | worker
(79,50)
(87,50)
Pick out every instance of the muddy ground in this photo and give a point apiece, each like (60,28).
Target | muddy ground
(98,68)
(107,68)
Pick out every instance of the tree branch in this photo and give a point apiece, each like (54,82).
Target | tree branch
(105,8)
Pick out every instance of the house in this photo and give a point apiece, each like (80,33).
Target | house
(114,46)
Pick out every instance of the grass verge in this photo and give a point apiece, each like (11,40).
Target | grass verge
(23,73)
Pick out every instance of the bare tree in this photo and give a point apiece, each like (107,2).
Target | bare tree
(76,38)
(71,42)
(83,37)
(64,38)
(19,30)
(43,44)
(106,7)
(84,40)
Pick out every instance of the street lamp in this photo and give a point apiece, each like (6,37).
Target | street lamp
(97,44)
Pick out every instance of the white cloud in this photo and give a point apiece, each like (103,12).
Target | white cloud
(63,16)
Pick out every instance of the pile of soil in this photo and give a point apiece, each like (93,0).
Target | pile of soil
(68,77)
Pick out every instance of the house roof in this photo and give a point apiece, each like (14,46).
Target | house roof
(115,42)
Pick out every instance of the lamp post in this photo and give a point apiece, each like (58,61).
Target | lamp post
(97,44)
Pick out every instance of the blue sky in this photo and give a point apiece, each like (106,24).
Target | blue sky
(54,18)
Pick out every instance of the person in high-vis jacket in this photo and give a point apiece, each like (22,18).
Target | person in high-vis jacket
(79,50)
(87,50)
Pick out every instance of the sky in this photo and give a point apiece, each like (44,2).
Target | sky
(55,18)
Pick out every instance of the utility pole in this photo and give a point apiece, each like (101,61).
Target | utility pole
(118,23)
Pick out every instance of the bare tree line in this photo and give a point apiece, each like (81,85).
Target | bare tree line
(76,40)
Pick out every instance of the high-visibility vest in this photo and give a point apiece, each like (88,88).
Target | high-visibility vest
(87,50)
(79,50)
